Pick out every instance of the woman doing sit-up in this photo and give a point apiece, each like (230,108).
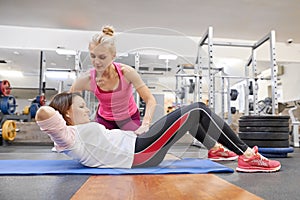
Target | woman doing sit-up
(66,120)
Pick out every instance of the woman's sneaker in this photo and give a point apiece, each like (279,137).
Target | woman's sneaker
(257,163)
(221,154)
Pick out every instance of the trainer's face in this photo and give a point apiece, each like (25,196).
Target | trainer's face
(101,56)
(78,112)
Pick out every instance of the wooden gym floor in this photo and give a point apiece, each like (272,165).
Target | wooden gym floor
(273,186)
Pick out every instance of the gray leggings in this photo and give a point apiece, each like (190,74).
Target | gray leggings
(204,125)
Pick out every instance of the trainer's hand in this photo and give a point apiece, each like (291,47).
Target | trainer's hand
(142,129)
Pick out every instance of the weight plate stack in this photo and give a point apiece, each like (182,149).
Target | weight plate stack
(5,88)
(8,104)
(33,109)
(265,131)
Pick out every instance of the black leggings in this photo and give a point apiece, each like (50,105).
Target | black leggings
(152,146)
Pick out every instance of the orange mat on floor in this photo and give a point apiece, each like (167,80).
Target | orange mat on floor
(181,186)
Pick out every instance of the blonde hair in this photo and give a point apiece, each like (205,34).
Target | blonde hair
(105,37)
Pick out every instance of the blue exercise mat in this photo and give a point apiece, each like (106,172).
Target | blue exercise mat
(46,167)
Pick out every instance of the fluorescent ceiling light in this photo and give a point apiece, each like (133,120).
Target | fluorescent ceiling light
(62,51)
(60,75)
(59,70)
(122,54)
(11,73)
(167,57)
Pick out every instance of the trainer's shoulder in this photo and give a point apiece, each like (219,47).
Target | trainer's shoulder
(126,68)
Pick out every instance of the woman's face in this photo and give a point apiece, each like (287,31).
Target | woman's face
(101,56)
(78,112)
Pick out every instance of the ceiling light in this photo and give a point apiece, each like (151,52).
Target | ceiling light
(167,57)
(122,54)
(63,51)
(59,70)
(11,73)
(60,75)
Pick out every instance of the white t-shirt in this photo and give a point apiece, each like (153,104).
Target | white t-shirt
(91,144)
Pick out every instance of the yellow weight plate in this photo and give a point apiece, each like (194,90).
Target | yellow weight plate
(26,110)
(9,130)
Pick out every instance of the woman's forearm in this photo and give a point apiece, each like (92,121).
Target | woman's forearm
(149,112)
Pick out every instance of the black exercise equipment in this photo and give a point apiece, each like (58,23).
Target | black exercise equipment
(263,135)
(142,107)
(264,123)
(191,86)
(267,143)
(250,88)
(265,106)
(233,110)
(264,130)
(181,93)
(233,94)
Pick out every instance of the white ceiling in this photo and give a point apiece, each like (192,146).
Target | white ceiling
(236,19)
(241,19)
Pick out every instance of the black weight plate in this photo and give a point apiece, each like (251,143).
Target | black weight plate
(1,116)
(264,117)
(265,143)
(265,120)
(263,129)
(265,124)
(263,136)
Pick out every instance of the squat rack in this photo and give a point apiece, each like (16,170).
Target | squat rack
(207,39)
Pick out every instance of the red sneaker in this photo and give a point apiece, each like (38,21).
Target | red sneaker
(257,163)
(221,154)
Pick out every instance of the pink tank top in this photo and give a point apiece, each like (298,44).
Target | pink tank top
(117,104)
